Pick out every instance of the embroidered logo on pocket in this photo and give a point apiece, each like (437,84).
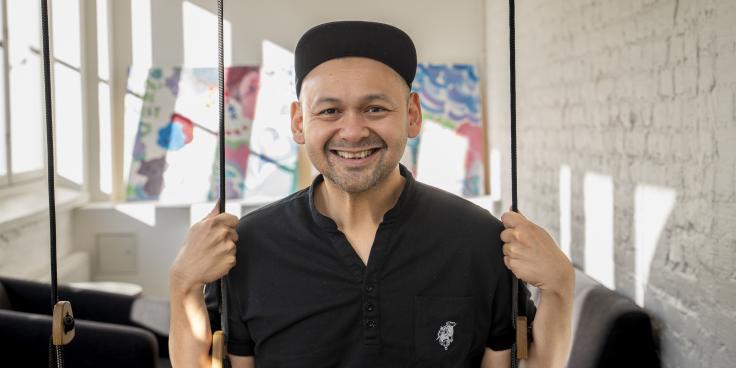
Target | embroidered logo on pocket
(444,335)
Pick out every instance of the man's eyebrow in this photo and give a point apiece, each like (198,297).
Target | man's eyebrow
(326,99)
(376,96)
(364,99)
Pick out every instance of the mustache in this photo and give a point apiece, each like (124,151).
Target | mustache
(367,143)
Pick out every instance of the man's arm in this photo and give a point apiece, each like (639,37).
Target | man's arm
(532,255)
(552,335)
(190,335)
(208,254)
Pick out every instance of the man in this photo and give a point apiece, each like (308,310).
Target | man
(366,267)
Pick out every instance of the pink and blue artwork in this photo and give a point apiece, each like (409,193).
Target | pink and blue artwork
(450,99)
(175,156)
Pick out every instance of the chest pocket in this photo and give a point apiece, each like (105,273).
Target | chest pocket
(443,330)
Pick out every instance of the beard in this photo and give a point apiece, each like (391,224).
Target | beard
(359,180)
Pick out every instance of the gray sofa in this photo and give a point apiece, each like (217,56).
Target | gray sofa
(609,330)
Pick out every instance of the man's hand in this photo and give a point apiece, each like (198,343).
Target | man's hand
(208,252)
(532,255)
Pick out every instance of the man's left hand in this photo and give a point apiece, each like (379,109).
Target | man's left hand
(532,255)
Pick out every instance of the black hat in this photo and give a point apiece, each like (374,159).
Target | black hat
(372,40)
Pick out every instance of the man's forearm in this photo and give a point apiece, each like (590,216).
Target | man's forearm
(552,331)
(190,336)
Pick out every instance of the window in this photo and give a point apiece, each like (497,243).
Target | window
(24,106)
(68,121)
(22,120)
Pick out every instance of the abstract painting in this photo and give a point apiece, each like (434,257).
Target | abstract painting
(450,101)
(175,157)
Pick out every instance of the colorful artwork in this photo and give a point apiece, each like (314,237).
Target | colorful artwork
(450,98)
(272,165)
(175,157)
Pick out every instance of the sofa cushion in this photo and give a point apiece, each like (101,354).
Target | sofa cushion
(4,298)
(609,330)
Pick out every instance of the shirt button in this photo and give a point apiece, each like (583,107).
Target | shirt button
(370,323)
(369,307)
(369,288)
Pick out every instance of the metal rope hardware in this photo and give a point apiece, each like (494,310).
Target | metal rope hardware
(62,325)
(219,338)
(519,350)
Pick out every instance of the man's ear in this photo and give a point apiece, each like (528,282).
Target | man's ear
(415,115)
(297,123)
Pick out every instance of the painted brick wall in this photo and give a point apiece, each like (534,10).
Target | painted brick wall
(642,93)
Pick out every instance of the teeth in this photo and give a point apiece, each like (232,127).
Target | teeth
(354,155)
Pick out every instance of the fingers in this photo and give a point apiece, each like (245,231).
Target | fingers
(232,235)
(512,219)
(514,250)
(508,235)
(227,219)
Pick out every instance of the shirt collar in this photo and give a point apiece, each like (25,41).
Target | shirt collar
(391,215)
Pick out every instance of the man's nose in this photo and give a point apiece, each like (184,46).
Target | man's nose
(354,128)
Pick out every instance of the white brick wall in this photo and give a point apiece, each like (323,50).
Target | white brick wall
(644,92)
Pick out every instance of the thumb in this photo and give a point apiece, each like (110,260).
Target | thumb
(216,210)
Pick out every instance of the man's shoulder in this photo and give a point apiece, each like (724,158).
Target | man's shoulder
(448,205)
(290,205)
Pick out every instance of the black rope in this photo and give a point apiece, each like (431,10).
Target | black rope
(59,353)
(518,309)
(222,296)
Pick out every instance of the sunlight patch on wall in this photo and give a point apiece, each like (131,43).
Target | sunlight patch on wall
(565,183)
(495,175)
(598,205)
(441,148)
(143,212)
(652,207)
(198,211)
(200,37)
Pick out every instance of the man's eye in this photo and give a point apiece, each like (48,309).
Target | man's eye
(331,111)
(374,109)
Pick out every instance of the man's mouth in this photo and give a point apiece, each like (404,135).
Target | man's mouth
(355,155)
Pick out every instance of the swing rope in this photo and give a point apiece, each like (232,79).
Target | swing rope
(62,327)
(518,307)
(219,338)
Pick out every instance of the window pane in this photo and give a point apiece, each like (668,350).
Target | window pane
(23,27)
(103,53)
(3,131)
(26,114)
(68,105)
(105,138)
(26,107)
(133,106)
(65,23)
(141,24)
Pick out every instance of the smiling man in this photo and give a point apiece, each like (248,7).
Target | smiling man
(367,267)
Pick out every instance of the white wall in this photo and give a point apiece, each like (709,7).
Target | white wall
(641,96)
(443,31)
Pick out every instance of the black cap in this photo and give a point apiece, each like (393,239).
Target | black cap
(377,41)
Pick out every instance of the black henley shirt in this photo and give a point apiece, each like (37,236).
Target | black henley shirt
(435,291)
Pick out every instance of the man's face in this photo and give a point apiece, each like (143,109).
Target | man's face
(354,118)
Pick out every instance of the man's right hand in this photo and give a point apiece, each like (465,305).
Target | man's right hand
(208,252)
